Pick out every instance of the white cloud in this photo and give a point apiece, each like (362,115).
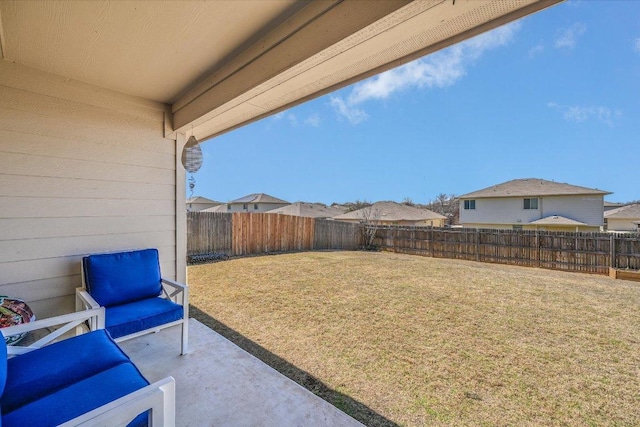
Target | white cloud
(353,114)
(439,70)
(582,113)
(636,45)
(535,51)
(293,120)
(313,120)
(568,37)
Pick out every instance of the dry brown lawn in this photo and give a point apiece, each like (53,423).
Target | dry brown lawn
(399,339)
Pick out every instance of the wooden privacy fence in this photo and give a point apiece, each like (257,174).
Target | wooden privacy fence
(239,233)
(572,251)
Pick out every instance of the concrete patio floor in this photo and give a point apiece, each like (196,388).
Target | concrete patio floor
(219,384)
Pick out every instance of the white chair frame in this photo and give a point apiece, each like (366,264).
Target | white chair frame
(171,290)
(159,397)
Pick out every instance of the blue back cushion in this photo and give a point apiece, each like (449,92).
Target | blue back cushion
(53,367)
(123,277)
(3,364)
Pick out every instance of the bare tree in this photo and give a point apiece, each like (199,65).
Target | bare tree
(408,201)
(357,205)
(447,205)
(370,220)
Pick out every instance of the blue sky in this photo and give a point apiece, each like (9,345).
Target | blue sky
(555,95)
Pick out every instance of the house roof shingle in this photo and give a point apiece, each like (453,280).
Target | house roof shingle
(200,199)
(258,198)
(311,210)
(531,187)
(392,211)
(628,211)
(219,208)
(556,220)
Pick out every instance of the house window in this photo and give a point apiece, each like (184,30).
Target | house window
(517,227)
(469,205)
(255,207)
(228,207)
(531,204)
(244,206)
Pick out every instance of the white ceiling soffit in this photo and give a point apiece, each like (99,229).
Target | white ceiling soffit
(279,73)
(156,50)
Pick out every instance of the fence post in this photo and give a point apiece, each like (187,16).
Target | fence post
(477,244)
(612,251)
(431,240)
(538,250)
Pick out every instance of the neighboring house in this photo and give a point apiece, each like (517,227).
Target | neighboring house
(258,202)
(533,204)
(625,218)
(612,205)
(200,203)
(392,213)
(311,210)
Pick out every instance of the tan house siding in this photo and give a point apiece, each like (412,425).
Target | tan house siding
(81,171)
(623,224)
(488,225)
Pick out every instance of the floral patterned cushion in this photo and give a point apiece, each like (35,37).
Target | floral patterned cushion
(14,311)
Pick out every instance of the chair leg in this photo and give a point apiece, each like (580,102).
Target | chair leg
(184,348)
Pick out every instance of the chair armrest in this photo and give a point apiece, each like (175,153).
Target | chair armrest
(84,300)
(173,283)
(159,397)
(175,291)
(61,324)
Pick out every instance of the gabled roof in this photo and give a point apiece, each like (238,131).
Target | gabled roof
(311,210)
(392,211)
(629,211)
(258,198)
(608,204)
(556,220)
(200,199)
(531,187)
(219,208)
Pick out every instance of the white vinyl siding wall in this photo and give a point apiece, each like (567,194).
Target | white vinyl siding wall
(81,171)
(510,210)
(586,208)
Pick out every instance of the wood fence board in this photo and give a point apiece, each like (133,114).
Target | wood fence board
(569,251)
(239,233)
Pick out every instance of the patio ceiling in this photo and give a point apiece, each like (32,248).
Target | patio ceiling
(222,64)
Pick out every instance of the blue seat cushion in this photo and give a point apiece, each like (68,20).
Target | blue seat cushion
(138,316)
(119,278)
(78,398)
(38,373)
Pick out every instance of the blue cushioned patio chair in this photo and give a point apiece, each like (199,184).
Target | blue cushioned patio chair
(83,380)
(137,300)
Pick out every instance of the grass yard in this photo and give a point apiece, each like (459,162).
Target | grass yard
(399,339)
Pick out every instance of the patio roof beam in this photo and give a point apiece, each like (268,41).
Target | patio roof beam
(328,45)
(318,26)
